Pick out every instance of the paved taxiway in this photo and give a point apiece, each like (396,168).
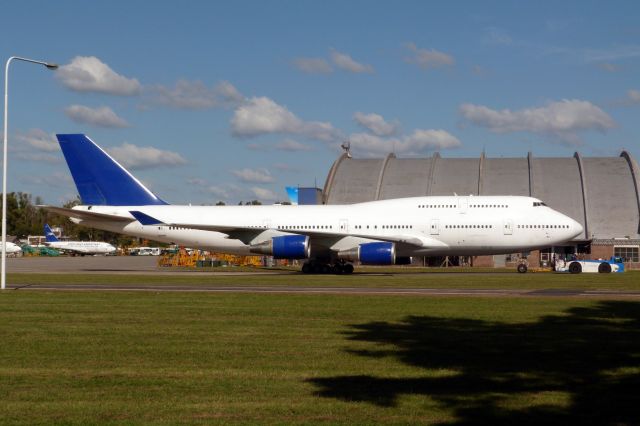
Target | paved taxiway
(129,265)
(147,265)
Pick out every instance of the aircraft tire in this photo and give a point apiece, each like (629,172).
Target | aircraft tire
(348,269)
(522,268)
(575,268)
(604,268)
(337,269)
(306,268)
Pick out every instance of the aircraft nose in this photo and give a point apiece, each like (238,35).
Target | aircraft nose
(576,228)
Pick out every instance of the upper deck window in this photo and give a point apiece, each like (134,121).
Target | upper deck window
(538,204)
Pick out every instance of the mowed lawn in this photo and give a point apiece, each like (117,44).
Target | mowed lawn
(131,357)
(384,278)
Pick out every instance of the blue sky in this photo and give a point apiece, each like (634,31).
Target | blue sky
(209,101)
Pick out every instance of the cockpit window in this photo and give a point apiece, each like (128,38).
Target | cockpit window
(538,204)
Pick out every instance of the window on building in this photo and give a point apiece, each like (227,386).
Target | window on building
(627,253)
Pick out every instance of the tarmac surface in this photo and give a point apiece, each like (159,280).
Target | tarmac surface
(129,265)
(147,265)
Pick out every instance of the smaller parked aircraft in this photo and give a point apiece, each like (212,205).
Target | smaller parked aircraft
(13,248)
(77,247)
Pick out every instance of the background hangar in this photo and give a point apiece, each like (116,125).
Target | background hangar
(602,193)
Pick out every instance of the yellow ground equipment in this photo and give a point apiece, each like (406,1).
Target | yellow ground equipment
(181,258)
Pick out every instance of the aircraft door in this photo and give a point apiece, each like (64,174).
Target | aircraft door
(508,227)
(344,226)
(435,227)
(463,203)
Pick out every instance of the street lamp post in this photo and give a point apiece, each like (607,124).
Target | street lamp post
(51,66)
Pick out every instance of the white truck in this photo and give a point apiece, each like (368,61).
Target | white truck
(614,264)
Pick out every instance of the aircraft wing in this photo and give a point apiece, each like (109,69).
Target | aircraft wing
(86,215)
(246,234)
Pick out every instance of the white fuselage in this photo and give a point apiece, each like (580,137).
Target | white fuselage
(447,225)
(12,248)
(83,247)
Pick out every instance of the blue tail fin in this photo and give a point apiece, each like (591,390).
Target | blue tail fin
(99,178)
(49,235)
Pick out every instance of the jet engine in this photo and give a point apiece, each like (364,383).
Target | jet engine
(382,253)
(284,247)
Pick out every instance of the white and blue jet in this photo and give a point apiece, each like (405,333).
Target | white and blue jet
(329,237)
(81,248)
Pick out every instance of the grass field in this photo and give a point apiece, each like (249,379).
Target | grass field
(130,358)
(479,280)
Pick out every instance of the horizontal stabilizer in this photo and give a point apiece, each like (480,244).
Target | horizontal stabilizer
(145,219)
(85,215)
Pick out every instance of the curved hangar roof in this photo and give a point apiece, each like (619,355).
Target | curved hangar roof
(599,192)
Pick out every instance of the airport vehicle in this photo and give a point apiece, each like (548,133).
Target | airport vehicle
(145,251)
(614,264)
(13,248)
(76,247)
(329,237)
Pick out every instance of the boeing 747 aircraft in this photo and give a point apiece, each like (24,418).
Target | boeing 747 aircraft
(76,247)
(329,237)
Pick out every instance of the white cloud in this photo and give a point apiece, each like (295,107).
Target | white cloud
(499,36)
(218,191)
(292,145)
(39,157)
(313,65)
(90,74)
(259,116)
(633,96)
(610,54)
(100,116)
(347,63)
(609,67)
(258,147)
(263,194)
(40,140)
(420,141)
(196,181)
(55,180)
(561,118)
(479,70)
(134,157)
(228,93)
(254,175)
(426,59)
(284,167)
(375,123)
(196,95)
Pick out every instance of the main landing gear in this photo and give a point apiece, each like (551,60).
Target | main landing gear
(313,267)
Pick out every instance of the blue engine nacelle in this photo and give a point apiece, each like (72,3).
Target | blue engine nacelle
(284,247)
(382,253)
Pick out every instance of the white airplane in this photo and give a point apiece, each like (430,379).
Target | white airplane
(12,248)
(329,237)
(76,247)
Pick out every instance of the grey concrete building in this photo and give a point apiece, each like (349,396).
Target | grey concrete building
(602,193)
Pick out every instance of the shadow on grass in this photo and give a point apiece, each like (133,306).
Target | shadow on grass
(591,355)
